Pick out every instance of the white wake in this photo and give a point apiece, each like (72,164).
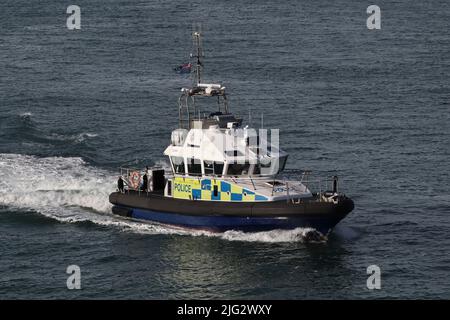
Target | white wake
(65,189)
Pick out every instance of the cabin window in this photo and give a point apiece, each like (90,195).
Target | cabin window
(194,167)
(236,169)
(213,168)
(209,167)
(178,164)
(218,168)
(282,163)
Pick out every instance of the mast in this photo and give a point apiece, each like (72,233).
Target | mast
(188,110)
(196,35)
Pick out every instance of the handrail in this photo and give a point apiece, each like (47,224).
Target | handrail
(250,178)
(287,182)
(254,187)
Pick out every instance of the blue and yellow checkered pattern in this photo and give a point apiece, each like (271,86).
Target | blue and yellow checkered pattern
(213,189)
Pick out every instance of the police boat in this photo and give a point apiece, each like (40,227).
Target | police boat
(225,176)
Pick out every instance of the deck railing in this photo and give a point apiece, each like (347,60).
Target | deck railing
(288,180)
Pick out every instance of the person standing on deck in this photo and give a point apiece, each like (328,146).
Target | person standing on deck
(120,184)
(145,180)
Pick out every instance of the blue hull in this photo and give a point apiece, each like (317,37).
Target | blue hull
(224,223)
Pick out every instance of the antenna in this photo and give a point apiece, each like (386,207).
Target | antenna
(198,53)
(262,120)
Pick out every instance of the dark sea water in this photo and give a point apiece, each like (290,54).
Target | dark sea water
(370,106)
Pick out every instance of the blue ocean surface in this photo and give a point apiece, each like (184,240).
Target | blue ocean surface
(371,106)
